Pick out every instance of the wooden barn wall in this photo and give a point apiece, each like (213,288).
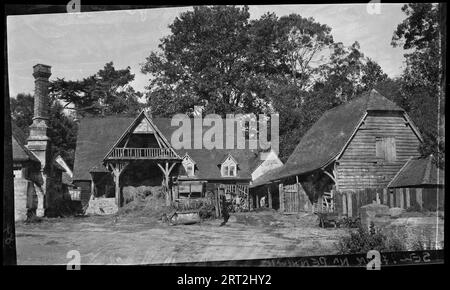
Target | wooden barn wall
(359,168)
(348,203)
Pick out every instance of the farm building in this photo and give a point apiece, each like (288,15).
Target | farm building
(421,182)
(38,178)
(358,145)
(117,153)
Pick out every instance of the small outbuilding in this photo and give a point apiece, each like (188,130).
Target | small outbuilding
(422,181)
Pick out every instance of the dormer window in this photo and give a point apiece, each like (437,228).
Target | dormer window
(189,165)
(229,167)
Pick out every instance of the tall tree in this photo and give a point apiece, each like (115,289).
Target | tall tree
(202,62)
(104,93)
(22,111)
(62,129)
(346,75)
(419,35)
(215,57)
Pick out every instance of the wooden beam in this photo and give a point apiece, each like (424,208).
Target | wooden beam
(281,194)
(335,174)
(269,193)
(128,140)
(330,175)
(117,169)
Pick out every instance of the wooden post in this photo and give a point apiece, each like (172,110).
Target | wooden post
(216,203)
(344,204)
(117,169)
(166,172)
(408,198)
(269,193)
(385,199)
(92,186)
(419,197)
(281,192)
(117,188)
(391,198)
(349,204)
(402,199)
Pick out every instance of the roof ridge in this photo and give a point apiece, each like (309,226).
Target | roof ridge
(398,172)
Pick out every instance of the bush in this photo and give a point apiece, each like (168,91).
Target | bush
(363,240)
(207,211)
(349,222)
(415,207)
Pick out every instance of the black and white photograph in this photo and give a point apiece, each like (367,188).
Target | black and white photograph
(296,135)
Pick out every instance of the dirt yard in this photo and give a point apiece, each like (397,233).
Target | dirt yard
(140,240)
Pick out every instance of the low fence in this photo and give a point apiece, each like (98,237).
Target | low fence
(348,203)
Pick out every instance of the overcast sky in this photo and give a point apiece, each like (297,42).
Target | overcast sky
(78,45)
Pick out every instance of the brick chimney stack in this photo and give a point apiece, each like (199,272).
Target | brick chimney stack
(41,75)
(38,141)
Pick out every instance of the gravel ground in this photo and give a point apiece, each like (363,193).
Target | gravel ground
(134,239)
(137,240)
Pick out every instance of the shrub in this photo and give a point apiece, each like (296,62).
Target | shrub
(349,222)
(415,207)
(363,240)
(207,211)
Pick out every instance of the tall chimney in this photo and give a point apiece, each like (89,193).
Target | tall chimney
(38,141)
(41,75)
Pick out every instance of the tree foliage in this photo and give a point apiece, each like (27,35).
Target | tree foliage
(22,111)
(217,58)
(419,35)
(104,93)
(62,129)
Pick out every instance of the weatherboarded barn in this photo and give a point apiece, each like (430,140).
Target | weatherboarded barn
(360,144)
(117,151)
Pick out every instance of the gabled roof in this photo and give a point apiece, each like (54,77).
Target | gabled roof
(20,152)
(186,156)
(95,138)
(327,138)
(226,157)
(266,177)
(418,172)
(136,122)
(97,135)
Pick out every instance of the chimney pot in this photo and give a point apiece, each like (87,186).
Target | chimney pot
(42,71)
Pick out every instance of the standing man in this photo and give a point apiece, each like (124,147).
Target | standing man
(262,202)
(225,213)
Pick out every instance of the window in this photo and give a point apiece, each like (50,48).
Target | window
(386,149)
(189,170)
(229,167)
(189,165)
(229,170)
